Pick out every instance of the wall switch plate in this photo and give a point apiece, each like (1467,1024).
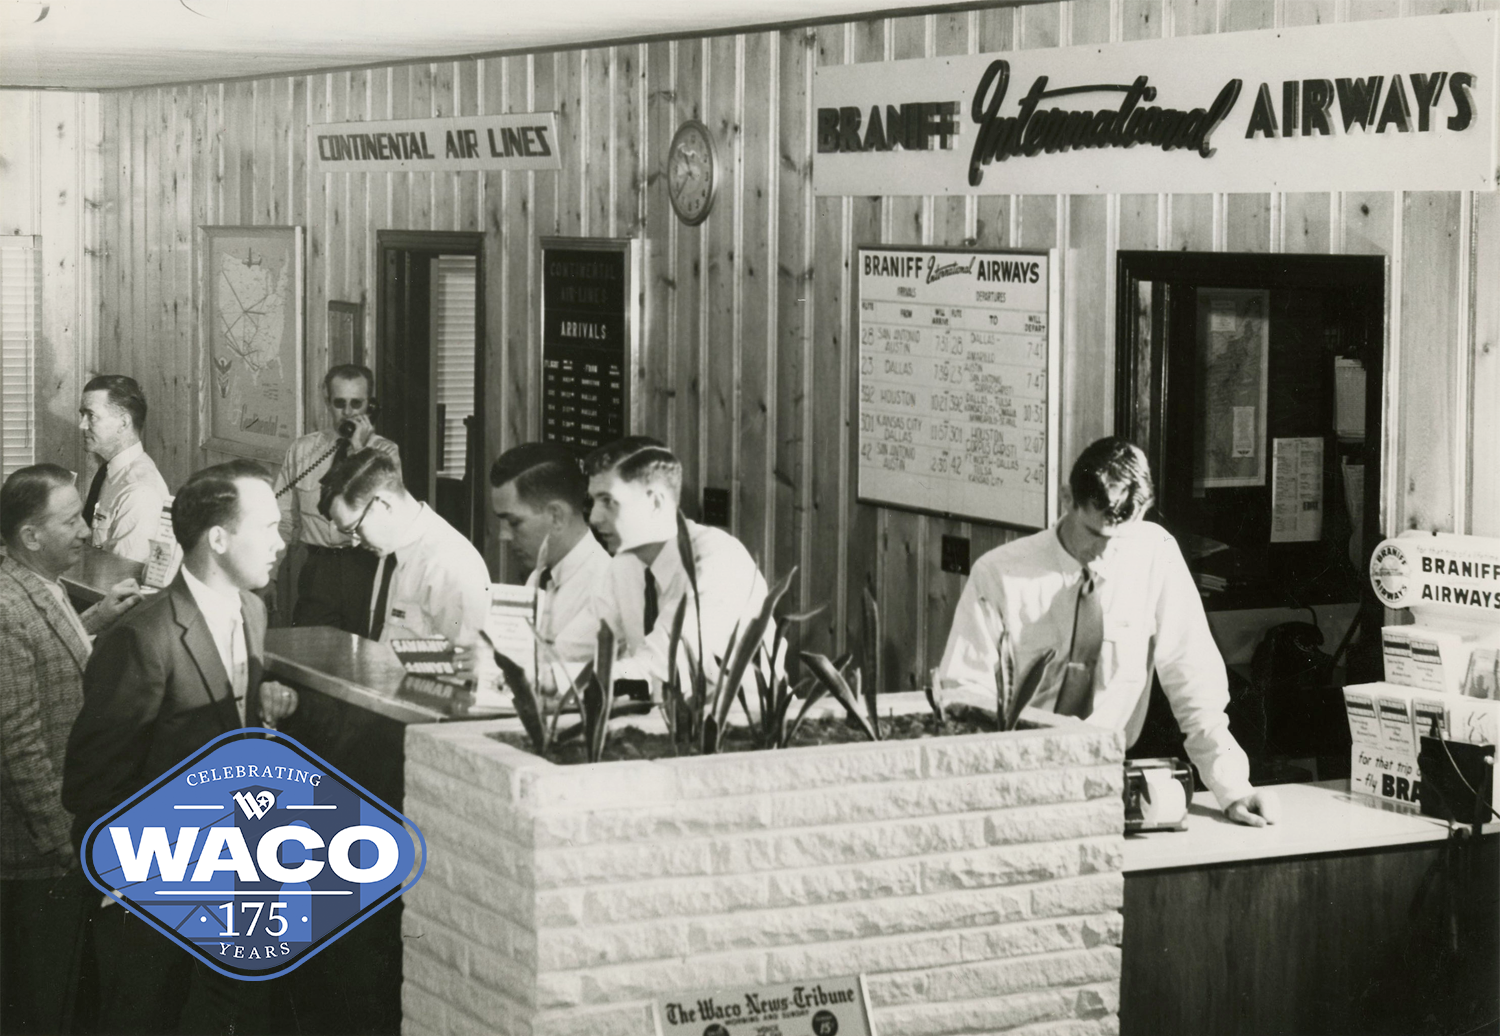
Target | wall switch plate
(956,554)
(716,507)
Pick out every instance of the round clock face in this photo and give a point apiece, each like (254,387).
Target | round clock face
(692,172)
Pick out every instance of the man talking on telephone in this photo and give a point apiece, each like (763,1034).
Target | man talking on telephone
(333,588)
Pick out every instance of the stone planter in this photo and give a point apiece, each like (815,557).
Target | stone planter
(974,880)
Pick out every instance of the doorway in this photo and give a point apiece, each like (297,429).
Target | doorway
(1255,384)
(430,367)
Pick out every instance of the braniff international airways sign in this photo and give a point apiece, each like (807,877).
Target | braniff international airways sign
(1399,104)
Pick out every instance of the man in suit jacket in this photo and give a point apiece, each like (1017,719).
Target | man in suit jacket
(44,645)
(181,670)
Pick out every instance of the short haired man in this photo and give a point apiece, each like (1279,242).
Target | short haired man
(1110,595)
(44,645)
(333,587)
(431,581)
(125,498)
(540,495)
(167,679)
(635,484)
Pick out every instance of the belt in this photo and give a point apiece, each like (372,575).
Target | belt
(313,548)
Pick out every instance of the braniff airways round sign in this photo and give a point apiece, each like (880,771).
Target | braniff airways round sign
(253,854)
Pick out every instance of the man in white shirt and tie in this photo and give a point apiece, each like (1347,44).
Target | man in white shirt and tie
(540,494)
(635,484)
(431,581)
(177,672)
(126,494)
(1109,595)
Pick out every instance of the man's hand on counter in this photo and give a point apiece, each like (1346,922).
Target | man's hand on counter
(1257,809)
(277,702)
(117,600)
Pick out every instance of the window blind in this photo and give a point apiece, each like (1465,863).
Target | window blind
(453,319)
(20,329)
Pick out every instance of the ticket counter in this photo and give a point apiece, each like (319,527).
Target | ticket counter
(1342,918)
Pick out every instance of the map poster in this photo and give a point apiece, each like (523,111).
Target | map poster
(253,325)
(813,1007)
(1233,365)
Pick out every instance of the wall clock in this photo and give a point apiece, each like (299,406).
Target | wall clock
(692,172)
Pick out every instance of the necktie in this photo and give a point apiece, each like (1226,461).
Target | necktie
(545,580)
(240,677)
(92,503)
(1076,698)
(377,618)
(651,604)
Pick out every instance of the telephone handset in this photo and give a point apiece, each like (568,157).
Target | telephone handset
(345,429)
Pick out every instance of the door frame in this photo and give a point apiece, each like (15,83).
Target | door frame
(430,244)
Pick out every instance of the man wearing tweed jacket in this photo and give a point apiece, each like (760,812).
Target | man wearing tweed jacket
(44,645)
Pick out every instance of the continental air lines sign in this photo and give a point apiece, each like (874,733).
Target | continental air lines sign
(1398,104)
(527,140)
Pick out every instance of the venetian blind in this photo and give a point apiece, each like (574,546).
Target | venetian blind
(20,328)
(453,347)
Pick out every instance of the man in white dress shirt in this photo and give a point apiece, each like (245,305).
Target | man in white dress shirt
(635,484)
(1110,595)
(540,494)
(431,581)
(125,497)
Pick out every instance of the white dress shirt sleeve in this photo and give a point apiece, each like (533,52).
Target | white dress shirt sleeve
(1192,675)
(973,649)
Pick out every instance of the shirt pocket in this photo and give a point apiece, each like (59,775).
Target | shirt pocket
(1123,654)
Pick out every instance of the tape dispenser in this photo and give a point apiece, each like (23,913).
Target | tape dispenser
(1157,793)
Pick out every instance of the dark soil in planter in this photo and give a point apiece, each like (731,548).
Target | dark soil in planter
(634,743)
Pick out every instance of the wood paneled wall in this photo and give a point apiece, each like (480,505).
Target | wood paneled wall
(49,174)
(747,358)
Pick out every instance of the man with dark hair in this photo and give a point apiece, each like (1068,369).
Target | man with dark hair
(173,675)
(125,498)
(333,585)
(431,581)
(635,484)
(1108,599)
(540,495)
(44,645)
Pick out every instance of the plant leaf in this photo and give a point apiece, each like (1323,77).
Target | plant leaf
(1028,689)
(529,706)
(752,640)
(833,681)
(814,693)
(604,680)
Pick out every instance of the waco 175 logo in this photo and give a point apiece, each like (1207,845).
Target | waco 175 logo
(254,854)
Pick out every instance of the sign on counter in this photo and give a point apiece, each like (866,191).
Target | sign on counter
(957,383)
(815,1007)
(589,339)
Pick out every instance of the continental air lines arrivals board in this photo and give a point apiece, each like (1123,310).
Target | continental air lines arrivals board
(957,366)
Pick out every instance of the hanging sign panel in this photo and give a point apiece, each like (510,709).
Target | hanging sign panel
(589,339)
(957,367)
(524,140)
(1391,105)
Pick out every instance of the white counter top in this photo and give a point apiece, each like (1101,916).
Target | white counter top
(1315,818)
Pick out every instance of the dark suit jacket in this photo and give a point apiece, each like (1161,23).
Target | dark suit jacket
(154,691)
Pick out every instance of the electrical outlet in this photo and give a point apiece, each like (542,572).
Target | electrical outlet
(716,507)
(956,554)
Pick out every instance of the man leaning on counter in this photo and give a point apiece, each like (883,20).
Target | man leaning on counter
(1086,611)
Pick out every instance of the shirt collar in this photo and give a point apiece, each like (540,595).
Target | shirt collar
(574,559)
(219,608)
(417,530)
(122,460)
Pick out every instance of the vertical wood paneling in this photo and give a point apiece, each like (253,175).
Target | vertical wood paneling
(792,183)
(758,346)
(747,352)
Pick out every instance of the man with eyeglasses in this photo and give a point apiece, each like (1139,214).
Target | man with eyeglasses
(333,587)
(430,580)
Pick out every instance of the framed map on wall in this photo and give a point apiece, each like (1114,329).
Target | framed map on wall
(251,342)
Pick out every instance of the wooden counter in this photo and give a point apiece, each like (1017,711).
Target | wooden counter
(1335,920)
(89,580)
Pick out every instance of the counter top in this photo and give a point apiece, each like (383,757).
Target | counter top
(1315,818)
(367,674)
(99,570)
